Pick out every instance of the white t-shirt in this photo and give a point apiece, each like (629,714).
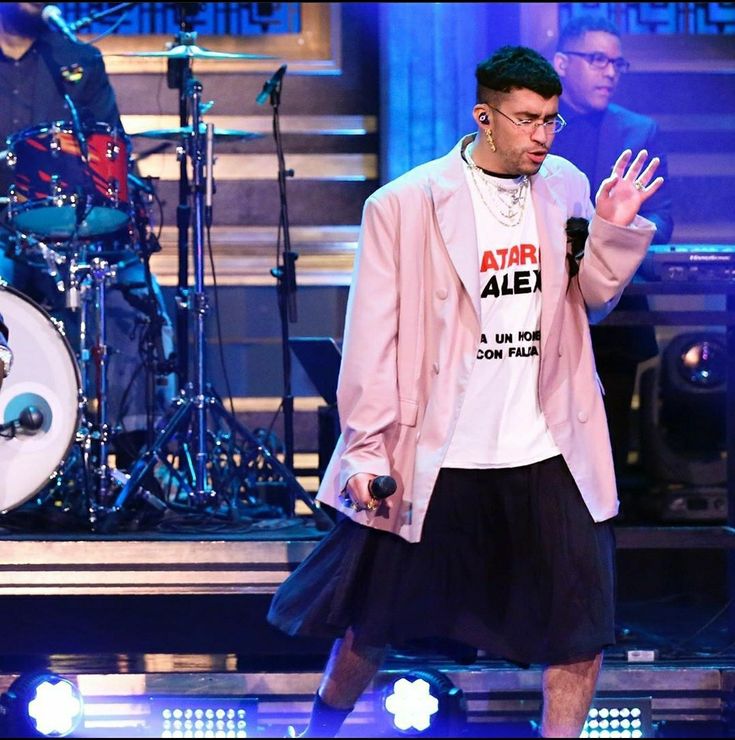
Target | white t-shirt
(501,423)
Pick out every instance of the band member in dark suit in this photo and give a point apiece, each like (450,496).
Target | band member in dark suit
(590,63)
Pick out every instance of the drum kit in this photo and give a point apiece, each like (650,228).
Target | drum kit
(77,211)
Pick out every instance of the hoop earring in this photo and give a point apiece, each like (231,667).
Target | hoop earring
(490,140)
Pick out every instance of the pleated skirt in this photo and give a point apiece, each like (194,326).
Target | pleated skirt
(510,562)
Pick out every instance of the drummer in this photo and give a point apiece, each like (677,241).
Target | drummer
(39,66)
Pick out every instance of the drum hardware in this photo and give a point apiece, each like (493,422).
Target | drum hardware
(211,469)
(88,283)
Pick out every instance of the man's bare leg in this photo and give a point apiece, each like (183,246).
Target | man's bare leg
(568,693)
(349,670)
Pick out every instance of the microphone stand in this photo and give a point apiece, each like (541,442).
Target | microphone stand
(285,275)
(90,19)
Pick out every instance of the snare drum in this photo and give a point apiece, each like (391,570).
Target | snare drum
(56,194)
(46,375)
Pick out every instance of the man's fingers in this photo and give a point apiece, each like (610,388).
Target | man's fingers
(621,163)
(636,166)
(649,190)
(647,175)
(607,185)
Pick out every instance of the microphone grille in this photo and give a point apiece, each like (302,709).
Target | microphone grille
(50,12)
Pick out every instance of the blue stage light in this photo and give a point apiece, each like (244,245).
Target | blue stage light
(424,703)
(41,704)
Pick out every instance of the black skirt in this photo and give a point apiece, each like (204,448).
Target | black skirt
(510,562)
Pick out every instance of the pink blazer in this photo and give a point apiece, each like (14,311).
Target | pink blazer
(413,327)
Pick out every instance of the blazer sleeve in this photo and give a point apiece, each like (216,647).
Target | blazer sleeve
(612,255)
(367,390)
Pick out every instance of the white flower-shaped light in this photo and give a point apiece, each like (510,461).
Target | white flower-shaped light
(412,704)
(55,708)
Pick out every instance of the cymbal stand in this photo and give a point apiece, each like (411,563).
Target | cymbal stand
(200,493)
(204,457)
(179,76)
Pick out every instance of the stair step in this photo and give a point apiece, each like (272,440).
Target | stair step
(244,255)
(334,125)
(704,232)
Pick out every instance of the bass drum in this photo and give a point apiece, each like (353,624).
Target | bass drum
(45,375)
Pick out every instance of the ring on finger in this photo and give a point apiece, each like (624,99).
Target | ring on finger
(639,186)
(371,505)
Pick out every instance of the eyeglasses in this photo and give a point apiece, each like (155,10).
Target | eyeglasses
(552,126)
(598,60)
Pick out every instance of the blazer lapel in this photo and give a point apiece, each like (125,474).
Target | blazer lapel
(456,220)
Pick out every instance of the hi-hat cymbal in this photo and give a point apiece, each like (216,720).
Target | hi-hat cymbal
(174,134)
(190,51)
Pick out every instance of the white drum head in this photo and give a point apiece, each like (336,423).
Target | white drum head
(46,375)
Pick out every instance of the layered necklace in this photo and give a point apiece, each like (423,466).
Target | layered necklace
(505,203)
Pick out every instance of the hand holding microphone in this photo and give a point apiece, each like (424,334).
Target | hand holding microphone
(379,488)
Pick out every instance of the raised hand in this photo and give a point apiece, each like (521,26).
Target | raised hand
(621,195)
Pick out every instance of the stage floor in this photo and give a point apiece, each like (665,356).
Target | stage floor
(178,612)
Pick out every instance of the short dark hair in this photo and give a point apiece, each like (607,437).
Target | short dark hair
(577,27)
(516,67)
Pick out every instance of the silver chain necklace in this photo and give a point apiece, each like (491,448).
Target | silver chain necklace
(508,203)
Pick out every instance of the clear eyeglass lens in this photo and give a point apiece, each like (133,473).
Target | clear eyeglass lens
(602,60)
(554,126)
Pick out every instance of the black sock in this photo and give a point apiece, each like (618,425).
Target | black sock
(325,721)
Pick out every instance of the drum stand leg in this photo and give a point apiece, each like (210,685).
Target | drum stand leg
(210,468)
(95,435)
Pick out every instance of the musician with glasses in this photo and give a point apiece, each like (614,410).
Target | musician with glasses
(590,63)
(467,375)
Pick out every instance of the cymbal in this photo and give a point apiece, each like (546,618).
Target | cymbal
(190,51)
(174,134)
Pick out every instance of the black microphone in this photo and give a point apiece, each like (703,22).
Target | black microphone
(51,15)
(271,85)
(382,487)
(30,420)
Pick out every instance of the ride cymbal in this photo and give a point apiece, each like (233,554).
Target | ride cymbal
(190,51)
(174,134)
